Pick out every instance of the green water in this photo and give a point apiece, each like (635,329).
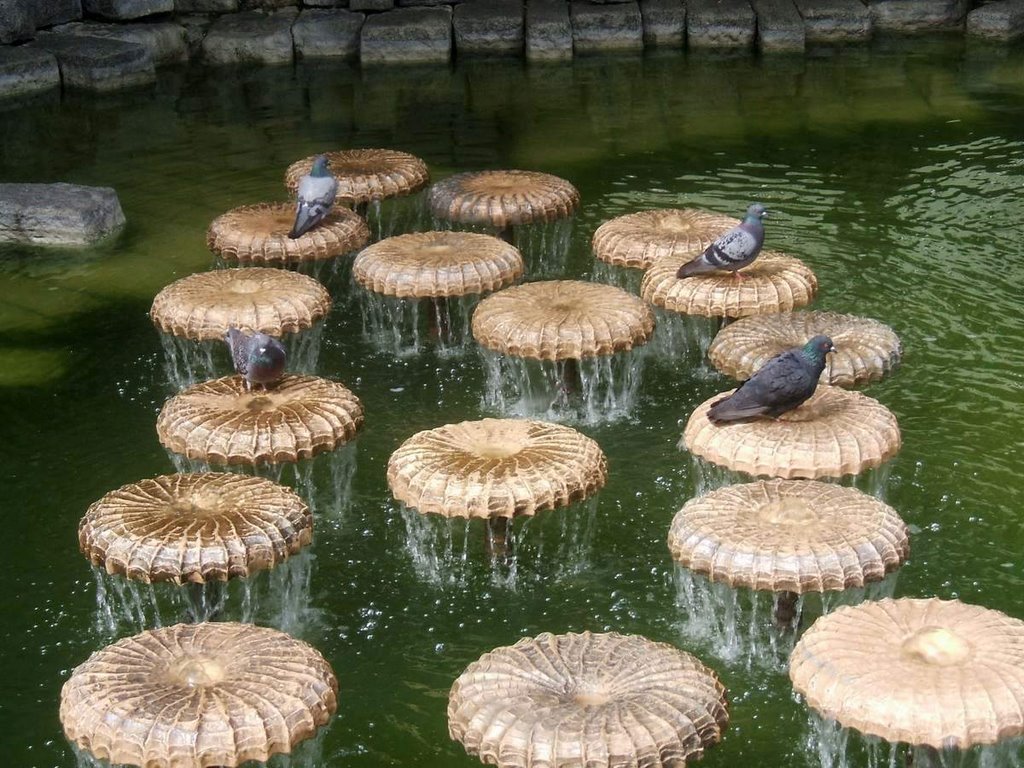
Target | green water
(897,174)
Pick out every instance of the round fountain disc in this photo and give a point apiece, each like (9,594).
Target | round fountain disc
(221,422)
(496,468)
(773,283)
(214,694)
(637,240)
(866,350)
(935,672)
(789,536)
(366,174)
(586,700)
(273,301)
(562,319)
(834,433)
(209,526)
(437,264)
(503,198)
(258,234)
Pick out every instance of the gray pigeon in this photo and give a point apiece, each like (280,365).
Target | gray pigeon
(780,385)
(317,191)
(257,357)
(732,251)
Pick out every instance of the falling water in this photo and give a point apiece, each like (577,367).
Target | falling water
(621,277)
(544,246)
(683,341)
(405,327)
(708,476)
(395,215)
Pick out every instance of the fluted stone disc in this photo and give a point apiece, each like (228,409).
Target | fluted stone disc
(587,700)
(866,350)
(937,672)
(789,536)
(773,283)
(208,526)
(221,422)
(273,301)
(258,234)
(496,468)
(835,433)
(562,319)
(437,264)
(503,198)
(366,174)
(198,695)
(638,240)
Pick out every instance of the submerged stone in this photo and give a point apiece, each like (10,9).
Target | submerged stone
(612,27)
(917,15)
(410,35)
(489,27)
(57,214)
(720,23)
(835,21)
(250,37)
(997,21)
(327,33)
(122,10)
(165,41)
(780,27)
(664,22)
(27,70)
(97,63)
(548,30)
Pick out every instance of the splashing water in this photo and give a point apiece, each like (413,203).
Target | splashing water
(406,326)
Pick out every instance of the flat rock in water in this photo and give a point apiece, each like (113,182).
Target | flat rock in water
(407,35)
(57,214)
(548,31)
(1002,21)
(125,10)
(205,6)
(489,27)
(250,37)
(27,70)
(51,12)
(835,21)
(608,27)
(780,27)
(165,40)
(720,24)
(17,21)
(911,16)
(327,33)
(664,22)
(96,63)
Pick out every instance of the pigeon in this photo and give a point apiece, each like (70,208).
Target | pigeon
(317,191)
(732,251)
(257,357)
(780,385)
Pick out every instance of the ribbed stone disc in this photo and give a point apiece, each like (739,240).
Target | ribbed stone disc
(209,526)
(866,350)
(437,264)
(835,433)
(587,700)
(221,422)
(637,240)
(789,535)
(272,301)
(773,283)
(503,198)
(562,319)
(496,468)
(258,234)
(366,174)
(935,672)
(197,696)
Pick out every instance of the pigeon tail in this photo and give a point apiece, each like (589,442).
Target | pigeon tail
(725,411)
(306,217)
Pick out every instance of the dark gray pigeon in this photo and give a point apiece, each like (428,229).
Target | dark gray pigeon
(316,194)
(732,251)
(780,385)
(257,357)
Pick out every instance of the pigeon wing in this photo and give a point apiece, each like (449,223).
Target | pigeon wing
(734,249)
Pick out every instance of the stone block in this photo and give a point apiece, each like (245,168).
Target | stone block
(327,33)
(720,24)
(548,30)
(125,10)
(835,21)
(57,214)
(664,22)
(362,5)
(205,6)
(51,12)
(97,63)
(491,27)
(1003,21)
(17,21)
(423,3)
(266,5)
(196,27)
(26,70)
(911,16)
(780,27)
(250,37)
(608,27)
(165,40)
(407,35)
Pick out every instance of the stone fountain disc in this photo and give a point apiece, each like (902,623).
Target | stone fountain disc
(209,526)
(273,301)
(927,672)
(503,198)
(789,536)
(637,240)
(774,283)
(496,468)
(258,234)
(366,174)
(212,694)
(437,264)
(561,320)
(587,699)
(835,433)
(866,350)
(220,422)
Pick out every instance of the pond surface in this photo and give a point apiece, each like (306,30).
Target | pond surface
(896,173)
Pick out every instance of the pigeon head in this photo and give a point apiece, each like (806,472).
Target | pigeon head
(818,347)
(756,211)
(320,164)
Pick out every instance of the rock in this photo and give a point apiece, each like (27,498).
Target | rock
(196,27)
(26,70)
(1003,21)
(362,5)
(780,27)
(124,10)
(57,214)
(418,3)
(17,21)
(165,40)
(910,16)
(51,12)
(835,21)
(97,63)
(407,35)
(720,24)
(327,33)
(609,27)
(548,30)
(664,22)
(250,37)
(266,5)
(205,6)
(491,27)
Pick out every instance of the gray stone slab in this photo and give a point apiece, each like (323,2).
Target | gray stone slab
(205,6)
(266,5)
(25,70)
(50,12)
(548,30)
(835,21)
(361,5)
(424,3)
(17,21)
(327,33)
(97,63)
(57,214)
(126,10)
(1002,21)
(720,24)
(664,22)
(913,16)
(406,36)
(196,27)
(608,27)
(780,27)
(491,27)
(250,37)
(165,40)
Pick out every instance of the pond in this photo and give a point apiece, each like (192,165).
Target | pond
(896,172)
